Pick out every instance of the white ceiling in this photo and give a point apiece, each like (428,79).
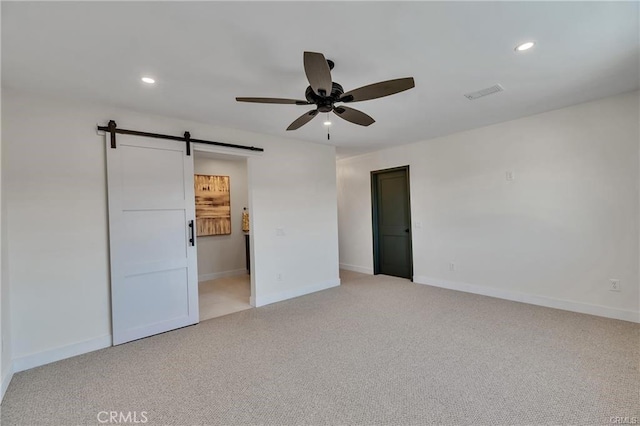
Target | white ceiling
(203,55)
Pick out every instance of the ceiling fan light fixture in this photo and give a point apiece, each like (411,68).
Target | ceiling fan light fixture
(324,93)
(525,46)
(148,80)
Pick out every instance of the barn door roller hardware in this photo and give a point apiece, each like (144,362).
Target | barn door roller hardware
(113,129)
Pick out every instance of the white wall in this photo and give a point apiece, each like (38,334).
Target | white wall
(6,367)
(224,255)
(298,197)
(6,370)
(554,236)
(57,219)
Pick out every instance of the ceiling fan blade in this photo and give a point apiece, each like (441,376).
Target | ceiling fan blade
(303,119)
(318,73)
(378,90)
(353,115)
(273,101)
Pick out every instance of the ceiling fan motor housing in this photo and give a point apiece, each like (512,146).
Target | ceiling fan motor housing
(325,103)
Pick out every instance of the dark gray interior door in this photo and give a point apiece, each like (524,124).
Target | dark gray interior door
(392,223)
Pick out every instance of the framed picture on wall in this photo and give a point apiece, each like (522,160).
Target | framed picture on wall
(213,205)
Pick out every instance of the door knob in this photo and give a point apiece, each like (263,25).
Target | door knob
(406,230)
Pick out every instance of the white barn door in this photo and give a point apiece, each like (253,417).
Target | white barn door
(154,285)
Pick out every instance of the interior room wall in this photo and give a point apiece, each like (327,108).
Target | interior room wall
(6,352)
(56,200)
(6,367)
(555,235)
(224,255)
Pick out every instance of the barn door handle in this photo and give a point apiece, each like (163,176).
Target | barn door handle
(192,240)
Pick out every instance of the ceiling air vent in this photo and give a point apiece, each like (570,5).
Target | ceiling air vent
(484,92)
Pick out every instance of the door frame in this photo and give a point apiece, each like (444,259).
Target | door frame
(374,217)
(249,156)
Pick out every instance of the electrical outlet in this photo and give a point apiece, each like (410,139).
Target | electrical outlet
(280,232)
(614,285)
(452,266)
(508,176)
(279,277)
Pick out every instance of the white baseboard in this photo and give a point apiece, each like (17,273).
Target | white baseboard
(6,379)
(354,268)
(290,294)
(45,357)
(549,302)
(223,274)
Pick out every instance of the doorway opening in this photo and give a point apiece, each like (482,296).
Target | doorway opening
(391,213)
(223,243)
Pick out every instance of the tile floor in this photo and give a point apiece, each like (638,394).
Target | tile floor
(224,296)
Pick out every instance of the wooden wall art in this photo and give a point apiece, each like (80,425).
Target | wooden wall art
(213,205)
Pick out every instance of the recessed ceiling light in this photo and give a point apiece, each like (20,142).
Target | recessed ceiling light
(525,46)
(148,80)
(327,123)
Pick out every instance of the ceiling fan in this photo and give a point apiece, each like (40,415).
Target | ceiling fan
(324,93)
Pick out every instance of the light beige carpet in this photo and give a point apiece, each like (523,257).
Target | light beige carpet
(376,350)
(224,296)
